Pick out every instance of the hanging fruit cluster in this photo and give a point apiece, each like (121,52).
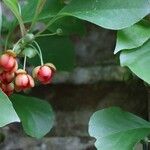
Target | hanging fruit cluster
(14,79)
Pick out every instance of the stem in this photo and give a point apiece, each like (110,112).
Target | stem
(23,31)
(40,52)
(19,10)
(49,23)
(38,10)
(41,35)
(16,44)
(35,50)
(24,64)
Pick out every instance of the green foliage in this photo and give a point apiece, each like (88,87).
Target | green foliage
(36,115)
(113,128)
(138,61)
(114,14)
(69,26)
(117,130)
(14,6)
(133,37)
(51,8)
(7,112)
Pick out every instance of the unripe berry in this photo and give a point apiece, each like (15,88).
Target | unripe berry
(59,31)
(44,73)
(28,38)
(8,61)
(8,89)
(23,81)
(7,77)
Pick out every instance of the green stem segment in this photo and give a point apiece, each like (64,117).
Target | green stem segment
(41,35)
(35,50)
(24,64)
(16,44)
(40,52)
(49,23)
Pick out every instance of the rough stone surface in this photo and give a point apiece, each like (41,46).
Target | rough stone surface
(90,75)
(96,48)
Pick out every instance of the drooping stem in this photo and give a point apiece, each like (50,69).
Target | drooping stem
(22,28)
(24,64)
(21,23)
(35,50)
(16,44)
(49,23)
(41,35)
(40,52)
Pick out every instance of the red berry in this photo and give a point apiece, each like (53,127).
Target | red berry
(23,81)
(8,89)
(44,73)
(7,77)
(8,61)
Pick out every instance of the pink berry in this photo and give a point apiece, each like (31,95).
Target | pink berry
(8,62)
(44,73)
(23,81)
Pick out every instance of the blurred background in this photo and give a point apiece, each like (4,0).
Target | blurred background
(96,82)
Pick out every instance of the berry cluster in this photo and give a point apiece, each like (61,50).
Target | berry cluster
(14,79)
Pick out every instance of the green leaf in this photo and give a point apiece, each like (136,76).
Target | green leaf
(50,9)
(29,52)
(13,3)
(13,6)
(138,61)
(115,129)
(58,50)
(69,25)
(7,112)
(36,115)
(114,14)
(133,36)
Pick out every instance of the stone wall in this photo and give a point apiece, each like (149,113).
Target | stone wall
(96,83)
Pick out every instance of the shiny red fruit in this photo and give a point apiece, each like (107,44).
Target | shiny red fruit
(8,61)
(23,81)
(44,73)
